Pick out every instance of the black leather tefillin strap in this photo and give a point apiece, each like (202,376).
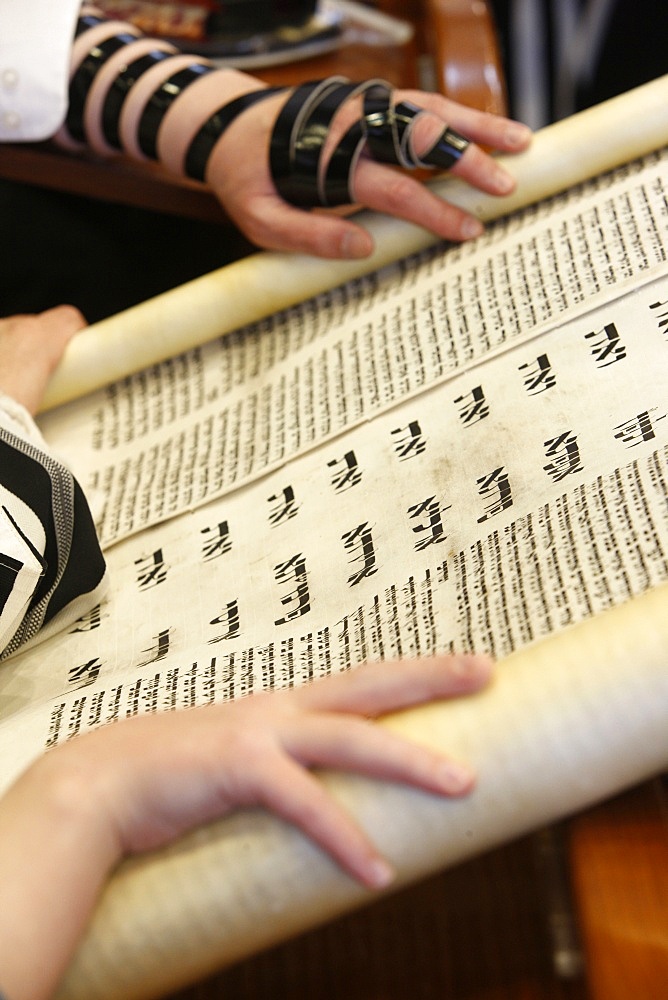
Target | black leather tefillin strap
(385,130)
(83,79)
(201,146)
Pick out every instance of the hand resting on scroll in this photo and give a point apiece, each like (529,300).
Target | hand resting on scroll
(137,784)
(271,153)
(244,185)
(31,347)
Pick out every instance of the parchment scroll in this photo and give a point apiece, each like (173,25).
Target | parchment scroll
(567,721)
(551,735)
(561,155)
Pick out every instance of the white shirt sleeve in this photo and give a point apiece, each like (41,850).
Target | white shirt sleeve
(35,43)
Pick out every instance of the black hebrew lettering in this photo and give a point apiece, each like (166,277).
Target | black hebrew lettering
(230,620)
(216,541)
(293,573)
(496,492)
(152,570)
(88,622)
(606,345)
(85,673)
(284,506)
(565,455)
(661,315)
(409,441)
(346,472)
(639,428)
(473,407)
(431,528)
(538,375)
(359,543)
(159,649)
(55,725)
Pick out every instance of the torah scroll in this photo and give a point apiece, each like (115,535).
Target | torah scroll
(573,410)
(551,734)
(561,155)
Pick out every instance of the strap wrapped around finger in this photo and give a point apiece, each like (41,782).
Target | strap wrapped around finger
(299,136)
(385,131)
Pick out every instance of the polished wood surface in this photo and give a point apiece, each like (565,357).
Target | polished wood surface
(619,866)
(481,931)
(116,181)
(461,37)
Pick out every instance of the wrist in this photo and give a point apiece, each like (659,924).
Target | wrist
(55,854)
(196,106)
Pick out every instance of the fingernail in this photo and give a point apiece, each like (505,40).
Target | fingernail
(355,244)
(379,874)
(471,228)
(455,777)
(517,134)
(503,182)
(471,666)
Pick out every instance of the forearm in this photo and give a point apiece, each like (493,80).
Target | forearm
(55,854)
(140,96)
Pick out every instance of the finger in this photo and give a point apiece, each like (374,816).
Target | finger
(274,224)
(488,129)
(31,347)
(66,318)
(354,744)
(58,326)
(474,166)
(301,799)
(390,191)
(377,688)
(484,172)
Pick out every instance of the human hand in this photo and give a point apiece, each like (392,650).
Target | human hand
(190,127)
(238,171)
(138,784)
(160,775)
(31,347)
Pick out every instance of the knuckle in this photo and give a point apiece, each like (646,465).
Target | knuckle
(399,192)
(70,316)
(254,226)
(324,242)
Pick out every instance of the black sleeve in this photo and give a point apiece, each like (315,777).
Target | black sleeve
(50,558)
